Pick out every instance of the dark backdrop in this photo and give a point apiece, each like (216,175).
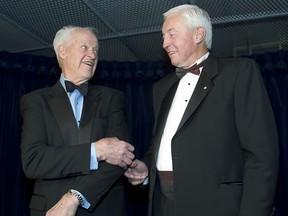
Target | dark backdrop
(20,74)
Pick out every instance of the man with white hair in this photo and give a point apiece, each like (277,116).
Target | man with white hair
(74,136)
(214,150)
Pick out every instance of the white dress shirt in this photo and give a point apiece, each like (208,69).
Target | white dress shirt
(181,99)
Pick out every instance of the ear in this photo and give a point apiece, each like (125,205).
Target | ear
(200,34)
(61,52)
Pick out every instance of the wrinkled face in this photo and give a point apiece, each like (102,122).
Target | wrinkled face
(80,56)
(178,41)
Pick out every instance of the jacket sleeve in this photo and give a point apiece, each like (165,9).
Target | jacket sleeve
(258,137)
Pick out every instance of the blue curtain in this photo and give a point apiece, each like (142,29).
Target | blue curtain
(20,74)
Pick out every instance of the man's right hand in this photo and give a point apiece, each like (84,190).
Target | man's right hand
(114,151)
(137,172)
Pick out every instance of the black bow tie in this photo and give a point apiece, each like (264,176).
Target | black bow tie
(195,69)
(70,87)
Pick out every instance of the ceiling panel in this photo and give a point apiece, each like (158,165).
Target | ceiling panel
(130,30)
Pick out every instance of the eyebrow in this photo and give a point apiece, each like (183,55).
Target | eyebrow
(170,30)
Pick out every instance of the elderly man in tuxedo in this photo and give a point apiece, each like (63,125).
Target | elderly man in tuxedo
(74,136)
(214,150)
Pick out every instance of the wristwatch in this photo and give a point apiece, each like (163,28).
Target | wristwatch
(78,196)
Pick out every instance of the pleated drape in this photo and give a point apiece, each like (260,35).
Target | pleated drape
(20,74)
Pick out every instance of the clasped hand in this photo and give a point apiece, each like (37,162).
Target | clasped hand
(115,151)
(137,172)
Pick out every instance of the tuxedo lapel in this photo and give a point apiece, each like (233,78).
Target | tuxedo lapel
(165,107)
(87,118)
(203,87)
(62,110)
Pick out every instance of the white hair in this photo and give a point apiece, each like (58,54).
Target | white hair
(63,36)
(194,17)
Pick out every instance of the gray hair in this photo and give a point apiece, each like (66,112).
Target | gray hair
(63,36)
(194,17)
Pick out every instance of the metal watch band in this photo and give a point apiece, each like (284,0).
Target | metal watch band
(78,196)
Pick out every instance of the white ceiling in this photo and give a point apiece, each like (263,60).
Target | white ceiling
(130,30)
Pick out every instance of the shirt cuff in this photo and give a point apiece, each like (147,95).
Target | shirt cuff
(93,158)
(146,181)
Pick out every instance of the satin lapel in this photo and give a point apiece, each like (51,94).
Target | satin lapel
(203,87)
(90,106)
(62,110)
(164,111)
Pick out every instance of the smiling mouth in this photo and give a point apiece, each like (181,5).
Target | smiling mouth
(171,53)
(91,64)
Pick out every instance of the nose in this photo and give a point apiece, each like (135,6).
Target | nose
(93,54)
(165,43)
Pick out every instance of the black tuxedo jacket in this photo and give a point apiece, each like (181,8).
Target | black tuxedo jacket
(225,150)
(57,154)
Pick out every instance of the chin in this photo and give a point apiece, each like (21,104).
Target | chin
(174,62)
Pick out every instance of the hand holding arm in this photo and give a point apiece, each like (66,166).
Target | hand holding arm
(114,151)
(137,172)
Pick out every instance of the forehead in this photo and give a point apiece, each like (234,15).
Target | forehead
(84,36)
(174,22)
